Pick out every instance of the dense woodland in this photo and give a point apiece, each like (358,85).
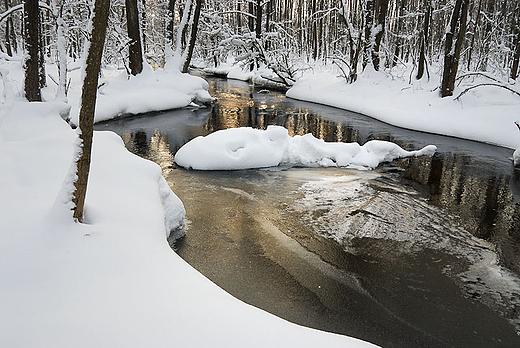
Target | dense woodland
(453,37)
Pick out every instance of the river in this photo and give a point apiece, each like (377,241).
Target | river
(421,252)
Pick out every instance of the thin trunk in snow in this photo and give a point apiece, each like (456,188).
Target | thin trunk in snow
(88,104)
(193,36)
(31,66)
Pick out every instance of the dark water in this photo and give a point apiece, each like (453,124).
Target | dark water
(422,252)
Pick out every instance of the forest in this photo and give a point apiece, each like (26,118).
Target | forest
(455,37)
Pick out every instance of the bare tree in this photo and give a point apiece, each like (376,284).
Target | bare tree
(453,46)
(88,104)
(31,65)
(193,36)
(134,33)
(424,38)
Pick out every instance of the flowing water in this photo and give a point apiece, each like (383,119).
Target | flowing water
(422,252)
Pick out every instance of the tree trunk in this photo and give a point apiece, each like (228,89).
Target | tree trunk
(258,25)
(193,37)
(251,19)
(516,56)
(171,17)
(134,33)
(88,104)
(369,24)
(454,47)
(31,66)
(379,30)
(424,39)
(8,31)
(475,27)
(267,22)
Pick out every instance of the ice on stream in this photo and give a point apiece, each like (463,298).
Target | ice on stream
(348,208)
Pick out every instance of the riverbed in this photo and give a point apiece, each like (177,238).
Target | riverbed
(421,252)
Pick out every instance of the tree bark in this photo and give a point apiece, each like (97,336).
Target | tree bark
(369,23)
(424,39)
(453,46)
(193,37)
(88,104)
(171,17)
(379,30)
(31,66)
(135,51)
(258,24)
(516,56)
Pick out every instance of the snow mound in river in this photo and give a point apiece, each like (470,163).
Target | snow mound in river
(245,148)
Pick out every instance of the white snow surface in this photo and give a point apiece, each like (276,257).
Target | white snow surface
(485,114)
(244,148)
(118,94)
(112,281)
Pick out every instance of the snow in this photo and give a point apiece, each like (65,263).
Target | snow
(244,148)
(485,114)
(119,95)
(516,157)
(112,281)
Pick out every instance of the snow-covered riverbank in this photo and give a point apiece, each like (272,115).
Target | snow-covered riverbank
(485,114)
(112,281)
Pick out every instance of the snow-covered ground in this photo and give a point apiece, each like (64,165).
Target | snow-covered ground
(112,281)
(486,114)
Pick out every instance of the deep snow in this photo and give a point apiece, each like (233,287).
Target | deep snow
(112,281)
(244,148)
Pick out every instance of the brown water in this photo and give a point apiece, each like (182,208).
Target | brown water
(404,256)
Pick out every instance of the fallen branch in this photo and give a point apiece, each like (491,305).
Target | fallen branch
(487,84)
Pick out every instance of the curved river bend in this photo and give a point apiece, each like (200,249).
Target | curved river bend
(422,252)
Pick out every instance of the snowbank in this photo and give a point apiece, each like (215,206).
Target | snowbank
(118,94)
(112,281)
(485,114)
(243,148)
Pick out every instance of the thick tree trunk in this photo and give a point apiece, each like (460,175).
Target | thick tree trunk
(453,46)
(424,39)
(88,104)
(31,66)
(135,50)
(193,37)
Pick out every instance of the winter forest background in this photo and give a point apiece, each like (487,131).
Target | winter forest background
(449,37)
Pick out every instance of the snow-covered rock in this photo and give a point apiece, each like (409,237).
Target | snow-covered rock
(244,148)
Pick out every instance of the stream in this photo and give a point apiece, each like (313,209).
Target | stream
(421,252)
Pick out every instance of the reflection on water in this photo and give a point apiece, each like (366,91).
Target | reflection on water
(472,183)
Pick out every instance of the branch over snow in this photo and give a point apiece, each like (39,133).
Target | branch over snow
(487,84)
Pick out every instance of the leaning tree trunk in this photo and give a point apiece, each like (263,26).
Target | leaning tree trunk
(454,46)
(193,37)
(424,39)
(31,66)
(135,49)
(88,104)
